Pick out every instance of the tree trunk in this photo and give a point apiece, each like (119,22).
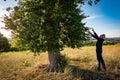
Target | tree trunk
(54,62)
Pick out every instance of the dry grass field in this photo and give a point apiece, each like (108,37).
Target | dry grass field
(82,65)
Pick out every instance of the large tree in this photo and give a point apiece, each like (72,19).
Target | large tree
(48,25)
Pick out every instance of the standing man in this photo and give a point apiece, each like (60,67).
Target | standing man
(99,44)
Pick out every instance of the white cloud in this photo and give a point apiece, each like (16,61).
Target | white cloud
(5,33)
(92,17)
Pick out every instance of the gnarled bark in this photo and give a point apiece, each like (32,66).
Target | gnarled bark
(54,62)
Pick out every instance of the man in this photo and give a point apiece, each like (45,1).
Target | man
(99,44)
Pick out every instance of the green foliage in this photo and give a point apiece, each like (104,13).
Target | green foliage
(47,25)
(44,25)
(17,45)
(4,44)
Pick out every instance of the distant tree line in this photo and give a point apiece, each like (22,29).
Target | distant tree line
(4,44)
(7,45)
(106,42)
(16,44)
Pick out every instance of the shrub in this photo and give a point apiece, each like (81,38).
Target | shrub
(63,62)
(4,44)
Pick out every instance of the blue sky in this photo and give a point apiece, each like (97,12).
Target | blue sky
(104,17)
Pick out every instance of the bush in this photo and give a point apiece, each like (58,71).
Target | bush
(17,45)
(4,44)
(63,62)
(14,49)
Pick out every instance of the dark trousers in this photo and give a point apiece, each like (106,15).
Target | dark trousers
(100,60)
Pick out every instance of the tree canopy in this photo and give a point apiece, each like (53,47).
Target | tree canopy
(45,25)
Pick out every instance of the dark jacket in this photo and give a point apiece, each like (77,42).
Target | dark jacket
(99,43)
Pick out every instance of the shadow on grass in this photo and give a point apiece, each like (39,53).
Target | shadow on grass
(70,73)
(90,75)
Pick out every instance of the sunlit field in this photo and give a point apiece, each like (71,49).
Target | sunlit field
(82,65)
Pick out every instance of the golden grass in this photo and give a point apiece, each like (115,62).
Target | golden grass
(87,55)
(24,66)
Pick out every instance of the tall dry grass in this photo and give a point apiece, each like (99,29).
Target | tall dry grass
(24,65)
(87,55)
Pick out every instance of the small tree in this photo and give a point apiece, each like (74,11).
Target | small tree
(48,25)
(4,44)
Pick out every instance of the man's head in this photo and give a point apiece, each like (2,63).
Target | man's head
(102,36)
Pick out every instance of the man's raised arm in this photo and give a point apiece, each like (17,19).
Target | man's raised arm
(95,34)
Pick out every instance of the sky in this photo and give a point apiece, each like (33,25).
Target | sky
(3,6)
(104,17)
